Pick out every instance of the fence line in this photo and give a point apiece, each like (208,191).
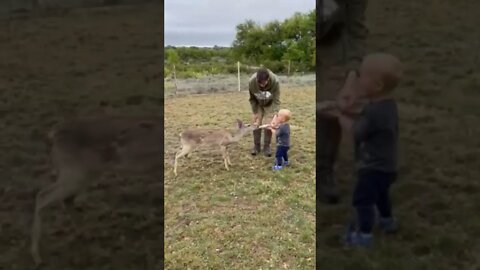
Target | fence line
(239,75)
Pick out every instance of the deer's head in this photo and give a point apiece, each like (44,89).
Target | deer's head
(243,128)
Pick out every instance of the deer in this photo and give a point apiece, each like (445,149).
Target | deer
(83,149)
(192,138)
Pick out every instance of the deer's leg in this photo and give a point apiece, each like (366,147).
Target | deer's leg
(228,156)
(225,156)
(67,185)
(186,149)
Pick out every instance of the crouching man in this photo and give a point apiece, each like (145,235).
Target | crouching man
(264,91)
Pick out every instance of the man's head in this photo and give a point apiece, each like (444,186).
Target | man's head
(380,73)
(284,115)
(263,77)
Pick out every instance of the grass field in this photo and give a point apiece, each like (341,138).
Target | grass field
(55,67)
(249,217)
(437,195)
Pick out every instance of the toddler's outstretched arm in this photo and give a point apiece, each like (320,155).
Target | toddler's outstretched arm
(350,100)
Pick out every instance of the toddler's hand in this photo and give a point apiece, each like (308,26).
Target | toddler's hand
(272,127)
(349,93)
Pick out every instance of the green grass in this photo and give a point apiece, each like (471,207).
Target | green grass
(249,217)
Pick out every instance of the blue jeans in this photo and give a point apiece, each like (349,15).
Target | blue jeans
(281,155)
(372,189)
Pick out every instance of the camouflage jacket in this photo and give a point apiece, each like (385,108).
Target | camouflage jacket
(268,96)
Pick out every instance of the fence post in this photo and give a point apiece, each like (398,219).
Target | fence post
(175,80)
(288,69)
(238,68)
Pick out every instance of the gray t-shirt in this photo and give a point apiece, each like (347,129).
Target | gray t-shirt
(283,134)
(376,137)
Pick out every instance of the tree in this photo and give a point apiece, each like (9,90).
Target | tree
(171,56)
(291,40)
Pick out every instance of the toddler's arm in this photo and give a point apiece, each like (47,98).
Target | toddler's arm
(349,100)
(346,122)
(274,129)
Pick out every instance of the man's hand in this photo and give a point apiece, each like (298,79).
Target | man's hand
(327,105)
(272,128)
(328,108)
(331,113)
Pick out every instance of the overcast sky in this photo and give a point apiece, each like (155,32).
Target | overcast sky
(205,23)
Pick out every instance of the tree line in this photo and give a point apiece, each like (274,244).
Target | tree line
(275,45)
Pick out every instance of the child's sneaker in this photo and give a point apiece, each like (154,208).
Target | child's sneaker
(277,167)
(356,239)
(388,225)
(286,163)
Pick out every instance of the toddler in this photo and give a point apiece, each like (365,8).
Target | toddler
(281,131)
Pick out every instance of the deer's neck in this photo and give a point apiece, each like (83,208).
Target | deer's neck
(237,136)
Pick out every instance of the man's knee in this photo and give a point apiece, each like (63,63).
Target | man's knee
(328,139)
(268,115)
(260,118)
(325,177)
(363,199)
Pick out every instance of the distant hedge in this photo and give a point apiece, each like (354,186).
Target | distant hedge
(274,46)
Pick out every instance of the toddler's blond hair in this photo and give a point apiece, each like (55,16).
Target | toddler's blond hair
(388,67)
(287,113)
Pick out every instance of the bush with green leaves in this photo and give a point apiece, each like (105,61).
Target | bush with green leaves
(275,45)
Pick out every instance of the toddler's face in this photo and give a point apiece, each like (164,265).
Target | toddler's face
(370,83)
(281,118)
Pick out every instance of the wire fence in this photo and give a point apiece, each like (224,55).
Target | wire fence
(224,83)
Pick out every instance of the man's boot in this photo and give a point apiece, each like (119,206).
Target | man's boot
(328,141)
(267,138)
(327,189)
(257,134)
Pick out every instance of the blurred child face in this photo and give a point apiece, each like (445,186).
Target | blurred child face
(370,80)
(281,118)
